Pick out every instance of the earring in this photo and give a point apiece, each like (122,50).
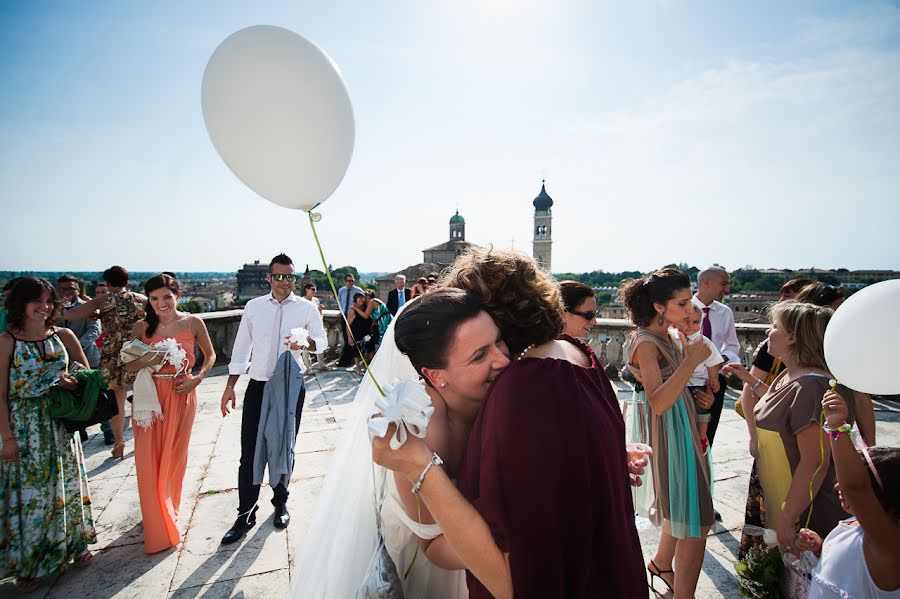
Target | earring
(660,320)
(443,385)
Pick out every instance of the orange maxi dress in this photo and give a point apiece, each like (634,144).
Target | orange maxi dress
(161,452)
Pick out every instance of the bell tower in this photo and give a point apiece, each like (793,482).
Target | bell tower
(543,227)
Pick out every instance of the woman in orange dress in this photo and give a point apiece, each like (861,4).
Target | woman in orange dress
(161,447)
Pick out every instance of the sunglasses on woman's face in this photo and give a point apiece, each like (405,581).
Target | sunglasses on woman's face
(280,278)
(590,315)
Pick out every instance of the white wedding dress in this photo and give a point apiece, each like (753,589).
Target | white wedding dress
(342,536)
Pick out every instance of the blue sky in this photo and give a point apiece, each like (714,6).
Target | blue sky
(764,133)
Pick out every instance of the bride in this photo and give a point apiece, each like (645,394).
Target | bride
(457,348)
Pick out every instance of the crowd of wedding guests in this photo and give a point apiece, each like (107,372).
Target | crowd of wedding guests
(525,410)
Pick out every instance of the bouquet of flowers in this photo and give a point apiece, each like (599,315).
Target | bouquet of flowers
(759,574)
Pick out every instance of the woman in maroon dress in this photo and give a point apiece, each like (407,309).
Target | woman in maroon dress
(544,504)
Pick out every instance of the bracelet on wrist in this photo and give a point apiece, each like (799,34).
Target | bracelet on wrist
(834,433)
(434,461)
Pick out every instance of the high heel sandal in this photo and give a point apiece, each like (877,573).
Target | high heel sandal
(658,574)
(118,452)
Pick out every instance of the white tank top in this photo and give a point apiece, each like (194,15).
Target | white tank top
(842,570)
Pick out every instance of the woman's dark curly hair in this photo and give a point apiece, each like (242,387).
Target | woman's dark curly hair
(523,300)
(639,295)
(28,289)
(116,276)
(152,284)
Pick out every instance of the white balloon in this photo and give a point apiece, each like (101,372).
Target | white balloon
(861,341)
(278,112)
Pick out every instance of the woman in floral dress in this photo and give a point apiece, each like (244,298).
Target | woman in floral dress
(119,310)
(45,508)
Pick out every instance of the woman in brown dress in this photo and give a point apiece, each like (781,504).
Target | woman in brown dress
(119,310)
(790,442)
(682,505)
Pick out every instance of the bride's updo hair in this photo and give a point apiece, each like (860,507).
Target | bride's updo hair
(523,300)
(426,328)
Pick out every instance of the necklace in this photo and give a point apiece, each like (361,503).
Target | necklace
(525,351)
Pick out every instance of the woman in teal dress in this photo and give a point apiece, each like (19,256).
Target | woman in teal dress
(680,474)
(381,317)
(45,508)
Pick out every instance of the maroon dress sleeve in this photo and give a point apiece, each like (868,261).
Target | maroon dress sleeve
(546,467)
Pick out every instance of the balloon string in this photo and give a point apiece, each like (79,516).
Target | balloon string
(344,316)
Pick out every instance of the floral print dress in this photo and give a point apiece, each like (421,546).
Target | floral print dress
(45,507)
(117,316)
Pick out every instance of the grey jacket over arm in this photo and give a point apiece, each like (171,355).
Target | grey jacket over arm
(277,421)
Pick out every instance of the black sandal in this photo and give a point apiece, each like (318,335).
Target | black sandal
(658,574)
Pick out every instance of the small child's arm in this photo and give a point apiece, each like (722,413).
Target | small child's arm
(809,540)
(713,383)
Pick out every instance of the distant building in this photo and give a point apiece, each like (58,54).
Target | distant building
(447,252)
(543,228)
(206,304)
(434,259)
(251,280)
(751,307)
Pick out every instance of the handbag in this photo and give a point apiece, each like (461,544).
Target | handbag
(134,349)
(381,581)
(107,407)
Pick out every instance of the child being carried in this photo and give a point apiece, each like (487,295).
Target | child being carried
(706,375)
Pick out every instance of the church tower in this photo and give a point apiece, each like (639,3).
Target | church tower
(542,228)
(457,227)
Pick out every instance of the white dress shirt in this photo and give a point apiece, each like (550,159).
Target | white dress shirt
(261,335)
(721,318)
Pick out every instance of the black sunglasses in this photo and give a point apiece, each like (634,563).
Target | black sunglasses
(280,278)
(588,315)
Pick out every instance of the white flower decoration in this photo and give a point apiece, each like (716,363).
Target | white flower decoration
(299,336)
(405,404)
(173,354)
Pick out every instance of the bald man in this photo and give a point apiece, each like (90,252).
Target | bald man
(713,283)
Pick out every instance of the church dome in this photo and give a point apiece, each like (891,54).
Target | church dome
(456,219)
(542,201)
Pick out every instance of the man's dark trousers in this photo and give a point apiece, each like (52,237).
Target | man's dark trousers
(248,493)
(348,350)
(715,411)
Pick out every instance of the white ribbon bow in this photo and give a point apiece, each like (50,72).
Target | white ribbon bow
(174,354)
(405,404)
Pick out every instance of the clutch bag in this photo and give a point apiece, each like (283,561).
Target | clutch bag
(134,349)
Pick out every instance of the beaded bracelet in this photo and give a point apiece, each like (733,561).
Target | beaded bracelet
(434,461)
(837,431)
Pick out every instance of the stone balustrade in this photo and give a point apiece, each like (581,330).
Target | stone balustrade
(607,337)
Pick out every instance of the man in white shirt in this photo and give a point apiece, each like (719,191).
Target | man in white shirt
(262,336)
(345,302)
(713,283)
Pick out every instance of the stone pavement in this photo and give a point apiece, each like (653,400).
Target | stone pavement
(261,563)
